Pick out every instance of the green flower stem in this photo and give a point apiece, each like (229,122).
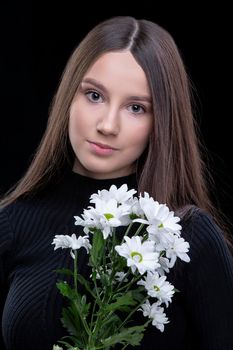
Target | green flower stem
(92,337)
(99,316)
(120,283)
(97,292)
(104,258)
(139,229)
(129,284)
(113,255)
(92,315)
(94,331)
(98,322)
(83,320)
(113,244)
(128,229)
(113,237)
(107,302)
(131,313)
(76,271)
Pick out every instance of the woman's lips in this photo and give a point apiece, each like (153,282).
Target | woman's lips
(101,149)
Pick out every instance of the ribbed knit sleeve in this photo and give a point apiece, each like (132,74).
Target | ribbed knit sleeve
(6,238)
(209,290)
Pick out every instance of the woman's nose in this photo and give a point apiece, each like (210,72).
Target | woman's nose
(108,124)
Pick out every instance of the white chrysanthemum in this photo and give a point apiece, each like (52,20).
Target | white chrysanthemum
(158,287)
(104,216)
(157,215)
(140,255)
(159,317)
(172,246)
(61,241)
(179,248)
(163,239)
(121,194)
(135,208)
(89,220)
(72,242)
(156,313)
(145,308)
(112,212)
(56,347)
(111,215)
(81,241)
(164,265)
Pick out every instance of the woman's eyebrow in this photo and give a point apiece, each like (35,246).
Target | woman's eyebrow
(95,83)
(100,86)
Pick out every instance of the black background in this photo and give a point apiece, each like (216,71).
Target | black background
(37,40)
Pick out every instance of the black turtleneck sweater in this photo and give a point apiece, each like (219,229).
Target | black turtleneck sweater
(201,314)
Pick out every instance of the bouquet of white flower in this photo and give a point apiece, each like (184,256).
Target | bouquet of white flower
(127,274)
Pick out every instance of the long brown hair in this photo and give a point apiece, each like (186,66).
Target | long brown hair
(171,169)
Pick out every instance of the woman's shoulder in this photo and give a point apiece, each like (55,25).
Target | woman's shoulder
(15,214)
(6,212)
(14,208)
(6,230)
(205,236)
(199,223)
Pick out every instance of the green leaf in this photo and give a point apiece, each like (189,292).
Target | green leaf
(133,216)
(98,248)
(121,263)
(66,290)
(83,307)
(86,284)
(110,326)
(123,302)
(65,272)
(114,320)
(72,322)
(138,294)
(131,336)
(83,300)
(105,280)
(74,341)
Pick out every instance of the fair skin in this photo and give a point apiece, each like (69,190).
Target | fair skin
(110,117)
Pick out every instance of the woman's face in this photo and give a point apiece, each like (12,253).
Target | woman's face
(110,117)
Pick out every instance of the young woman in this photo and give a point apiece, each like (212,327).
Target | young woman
(122,114)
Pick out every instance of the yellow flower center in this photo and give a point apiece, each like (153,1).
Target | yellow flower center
(136,256)
(108,216)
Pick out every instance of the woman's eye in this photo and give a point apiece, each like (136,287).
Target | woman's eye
(137,109)
(94,96)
